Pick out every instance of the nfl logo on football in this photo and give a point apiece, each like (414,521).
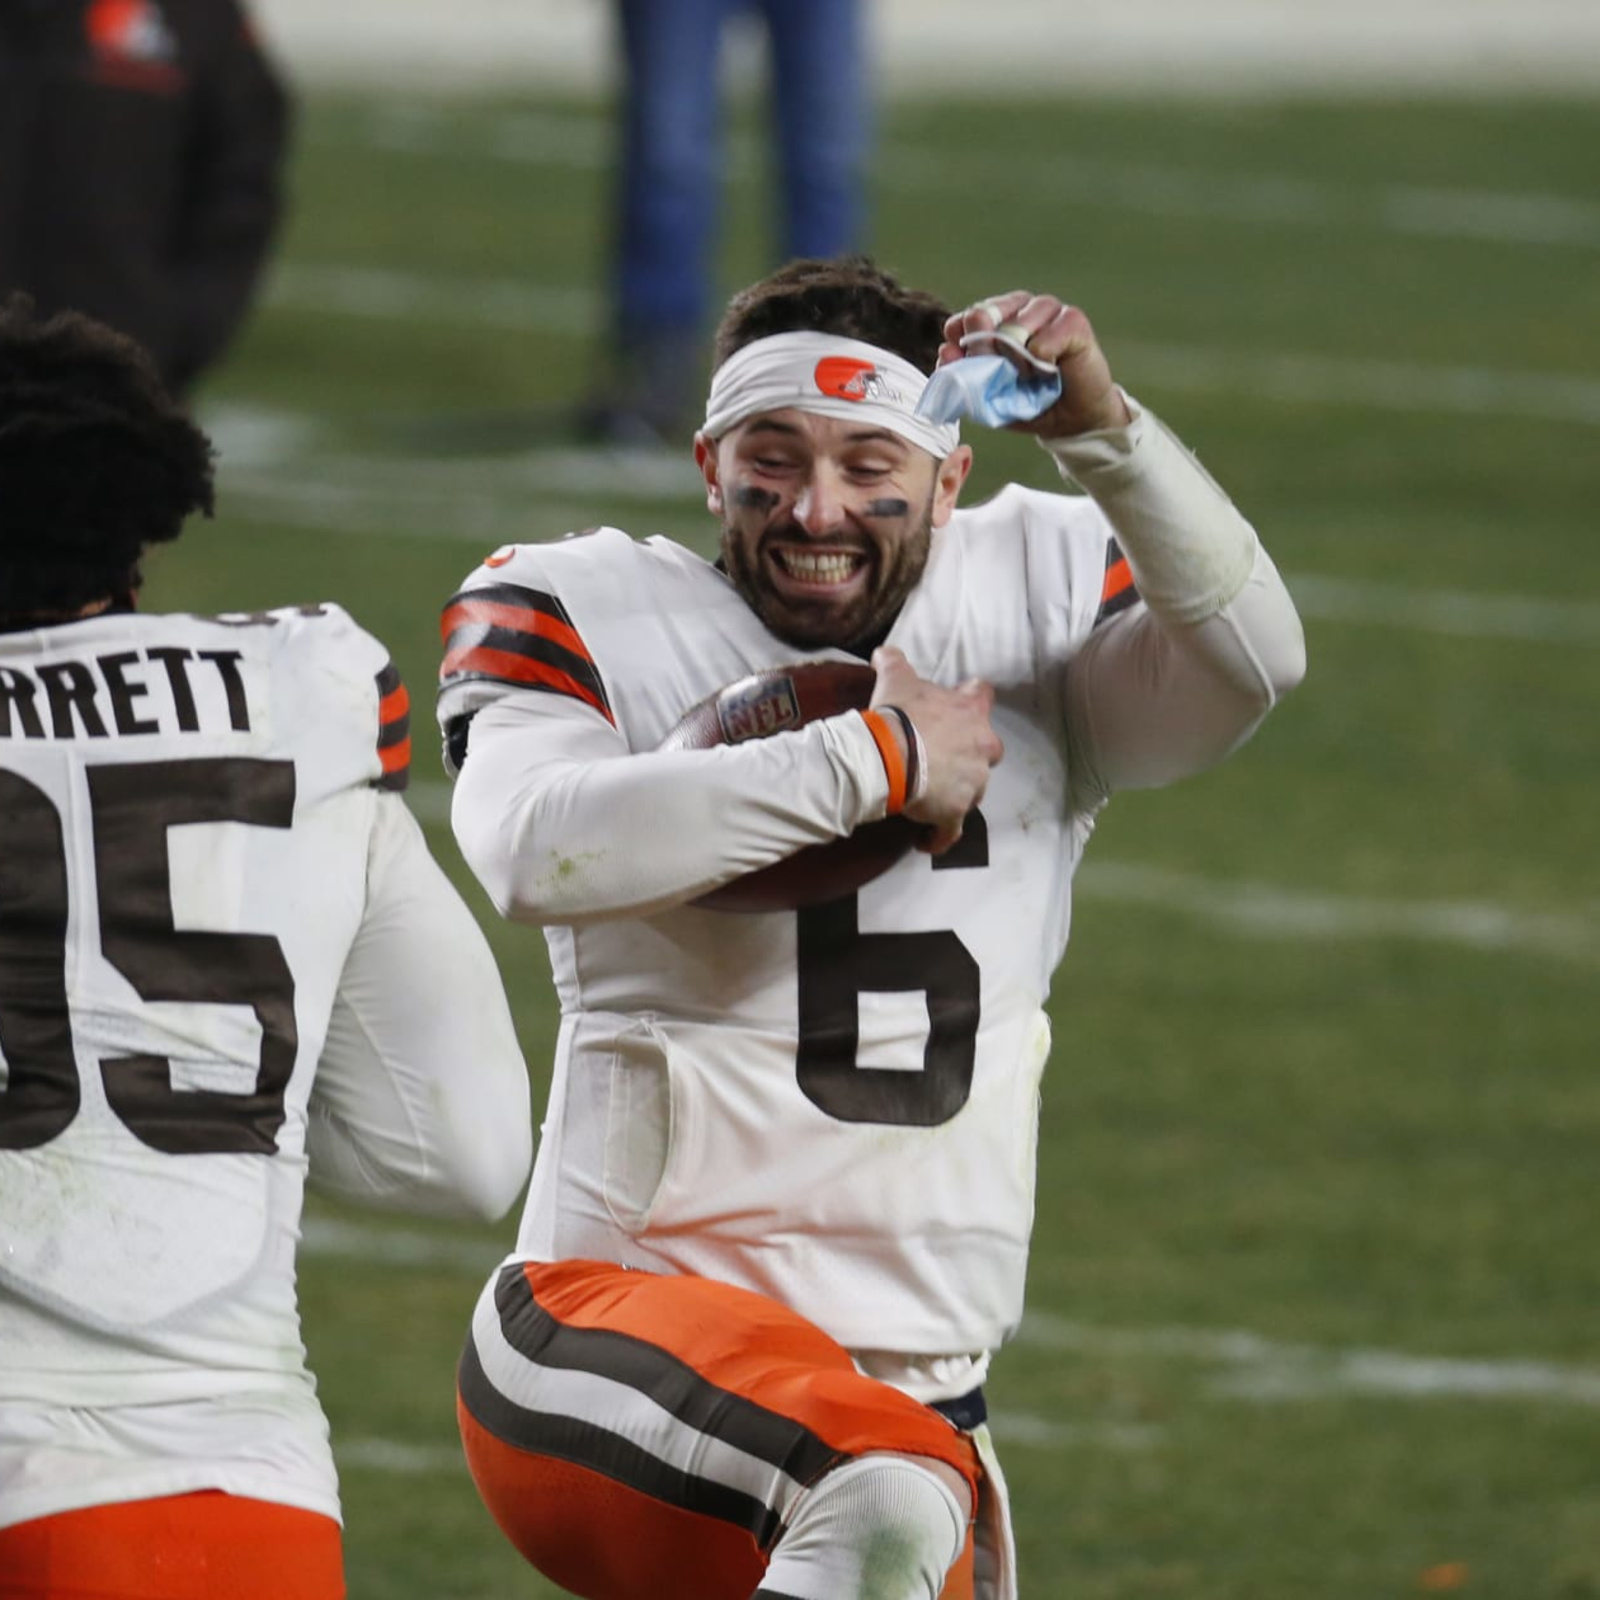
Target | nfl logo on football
(763,708)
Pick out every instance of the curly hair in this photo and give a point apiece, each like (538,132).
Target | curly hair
(850,296)
(97,462)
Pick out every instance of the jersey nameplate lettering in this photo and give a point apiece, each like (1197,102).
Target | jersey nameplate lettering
(164,689)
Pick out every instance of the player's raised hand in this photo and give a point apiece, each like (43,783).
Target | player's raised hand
(958,743)
(1056,332)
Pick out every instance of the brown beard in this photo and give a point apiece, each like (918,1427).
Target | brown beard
(861,628)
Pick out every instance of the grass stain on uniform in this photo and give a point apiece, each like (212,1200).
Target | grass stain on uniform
(891,1569)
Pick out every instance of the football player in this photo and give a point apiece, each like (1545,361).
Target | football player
(226,957)
(780,1214)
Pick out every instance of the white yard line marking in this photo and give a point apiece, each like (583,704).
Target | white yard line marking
(1269,911)
(524,138)
(1520,618)
(467,517)
(1012,1429)
(1022,1429)
(580,143)
(401,1460)
(384,293)
(1539,219)
(399,1247)
(1366,385)
(1284,376)
(1256,1368)
(410,1248)
(1249,1366)
(1263,199)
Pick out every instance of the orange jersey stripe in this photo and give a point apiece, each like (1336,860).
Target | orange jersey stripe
(520,669)
(394,705)
(519,619)
(395,756)
(1119,576)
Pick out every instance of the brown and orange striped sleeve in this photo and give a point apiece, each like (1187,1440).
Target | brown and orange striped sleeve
(394,730)
(506,633)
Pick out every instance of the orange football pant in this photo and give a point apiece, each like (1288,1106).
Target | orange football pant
(205,1546)
(606,1539)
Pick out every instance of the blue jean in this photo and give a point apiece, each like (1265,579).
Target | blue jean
(672,160)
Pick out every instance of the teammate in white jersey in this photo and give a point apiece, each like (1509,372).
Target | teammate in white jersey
(780,1214)
(226,957)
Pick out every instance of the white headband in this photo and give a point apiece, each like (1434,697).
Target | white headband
(830,376)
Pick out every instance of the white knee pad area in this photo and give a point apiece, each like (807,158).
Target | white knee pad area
(881,1527)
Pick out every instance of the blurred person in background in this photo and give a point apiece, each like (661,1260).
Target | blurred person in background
(142,146)
(662,269)
(226,956)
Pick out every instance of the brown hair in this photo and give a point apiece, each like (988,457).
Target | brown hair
(850,296)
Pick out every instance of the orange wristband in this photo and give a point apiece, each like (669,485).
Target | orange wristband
(893,762)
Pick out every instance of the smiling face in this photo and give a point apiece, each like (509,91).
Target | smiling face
(826,523)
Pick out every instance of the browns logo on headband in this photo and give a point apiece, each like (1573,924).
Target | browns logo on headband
(830,376)
(851,378)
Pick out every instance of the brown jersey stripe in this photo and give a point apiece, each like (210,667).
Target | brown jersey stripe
(486,629)
(475,636)
(1118,591)
(395,757)
(513,618)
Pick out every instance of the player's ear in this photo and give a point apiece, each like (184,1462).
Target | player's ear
(948,478)
(705,457)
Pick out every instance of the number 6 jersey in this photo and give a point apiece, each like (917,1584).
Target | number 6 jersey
(836,1106)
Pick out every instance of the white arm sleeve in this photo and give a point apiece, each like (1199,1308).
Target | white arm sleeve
(421,1098)
(1170,687)
(562,824)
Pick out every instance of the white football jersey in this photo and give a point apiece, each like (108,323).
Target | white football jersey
(195,830)
(836,1107)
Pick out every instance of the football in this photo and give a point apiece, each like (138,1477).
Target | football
(772,702)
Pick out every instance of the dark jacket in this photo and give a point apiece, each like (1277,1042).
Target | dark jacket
(141,150)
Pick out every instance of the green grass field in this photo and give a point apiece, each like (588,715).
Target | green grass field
(1315,1298)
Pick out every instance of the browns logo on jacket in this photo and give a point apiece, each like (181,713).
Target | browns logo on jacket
(142,144)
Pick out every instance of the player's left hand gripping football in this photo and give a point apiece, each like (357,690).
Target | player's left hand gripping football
(1055,332)
(958,742)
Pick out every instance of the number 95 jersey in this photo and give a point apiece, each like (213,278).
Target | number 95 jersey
(836,1107)
(188,803)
